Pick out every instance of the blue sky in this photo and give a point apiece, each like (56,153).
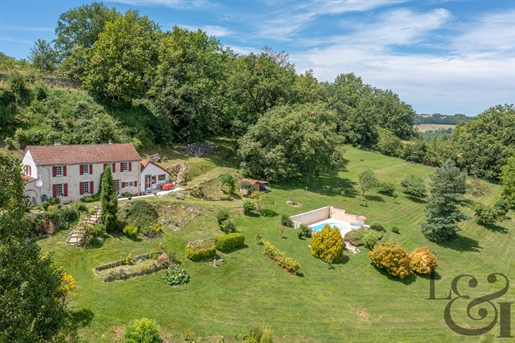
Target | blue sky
(439,56)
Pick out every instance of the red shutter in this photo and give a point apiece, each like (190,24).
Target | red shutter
(135,183)
(130,166)
(81,189)
(114,167)
(54,191)
(54,172)
(121,167)
(123,184)
(105,165)
(81,169)
(64,170)
(65,191)
(91,169)
(91,188)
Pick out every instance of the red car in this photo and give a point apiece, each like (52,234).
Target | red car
(167,186)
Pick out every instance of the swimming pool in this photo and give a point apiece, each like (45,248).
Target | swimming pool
(340,224)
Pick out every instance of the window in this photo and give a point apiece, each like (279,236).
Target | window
(58,171)
(130,184)
(116,185)
(28,170)
(85,188)
(86,169)
(124,166)
(161,177)
(60,190)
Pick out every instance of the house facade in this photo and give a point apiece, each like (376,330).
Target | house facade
(152,176)
(71,172)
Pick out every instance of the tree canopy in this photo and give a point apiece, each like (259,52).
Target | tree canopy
(290,142)
(442,212)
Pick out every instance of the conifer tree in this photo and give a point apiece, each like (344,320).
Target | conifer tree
(109,200)
(442,212)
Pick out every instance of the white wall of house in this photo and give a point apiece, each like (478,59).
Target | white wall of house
(153,176)
(29,162)
(70,181)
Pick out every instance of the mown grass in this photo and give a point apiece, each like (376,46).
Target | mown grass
(353,302)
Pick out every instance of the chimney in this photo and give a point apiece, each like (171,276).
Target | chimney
(57,142)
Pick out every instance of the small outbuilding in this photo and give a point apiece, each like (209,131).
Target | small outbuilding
(153,176)
(259,186)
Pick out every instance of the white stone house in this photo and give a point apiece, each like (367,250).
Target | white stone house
(71,172)
(152,176)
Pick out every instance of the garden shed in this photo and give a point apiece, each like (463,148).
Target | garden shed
(259,185)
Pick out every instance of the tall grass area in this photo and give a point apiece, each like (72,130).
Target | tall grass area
(353,302)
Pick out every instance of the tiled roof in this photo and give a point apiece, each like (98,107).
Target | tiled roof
(253,182)
(75,154)
(28,179)
(145,163)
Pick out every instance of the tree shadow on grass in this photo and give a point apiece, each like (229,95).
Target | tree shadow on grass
(408,280)
(417,200)
(266,212)
(496,228)
(376,198)
(462,243)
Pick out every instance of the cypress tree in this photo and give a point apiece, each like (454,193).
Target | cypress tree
(109,200)
(442,212)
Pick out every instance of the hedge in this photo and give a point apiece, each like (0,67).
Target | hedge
(280,258)
(122,262)
(229,242)
(200,250)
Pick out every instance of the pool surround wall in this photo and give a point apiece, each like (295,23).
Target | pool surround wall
(318,215)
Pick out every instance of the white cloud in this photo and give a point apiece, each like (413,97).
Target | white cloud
(178,4)
(471,70)
(291,19)
(25,28)
(211,30)
(242,50)
(15,40)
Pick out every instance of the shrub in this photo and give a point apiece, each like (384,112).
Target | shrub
(259,334)
(396,230)
(280,258)
(377,226)
(163,259)
(179,195)
(357,237)
(141,214)
(228,226)
(422,261)
(248,207)
(200,250)
(327,243)
(304,231)
(54,201)
(142,331)
(152,231)
(45,205)
(414,185)
(229,242)
(222,216)
(286,220)
(391,258)
(247,187)
(130,231)
(176,275)
(386,188)
(369,240)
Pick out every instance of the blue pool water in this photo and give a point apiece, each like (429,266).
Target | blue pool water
(339,225)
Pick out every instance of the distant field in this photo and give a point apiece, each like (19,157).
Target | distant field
(432,127)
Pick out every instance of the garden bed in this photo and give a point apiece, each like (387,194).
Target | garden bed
(133,266)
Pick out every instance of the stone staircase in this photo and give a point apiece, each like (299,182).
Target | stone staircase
(76,237)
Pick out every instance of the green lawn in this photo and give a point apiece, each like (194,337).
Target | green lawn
(353,302)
